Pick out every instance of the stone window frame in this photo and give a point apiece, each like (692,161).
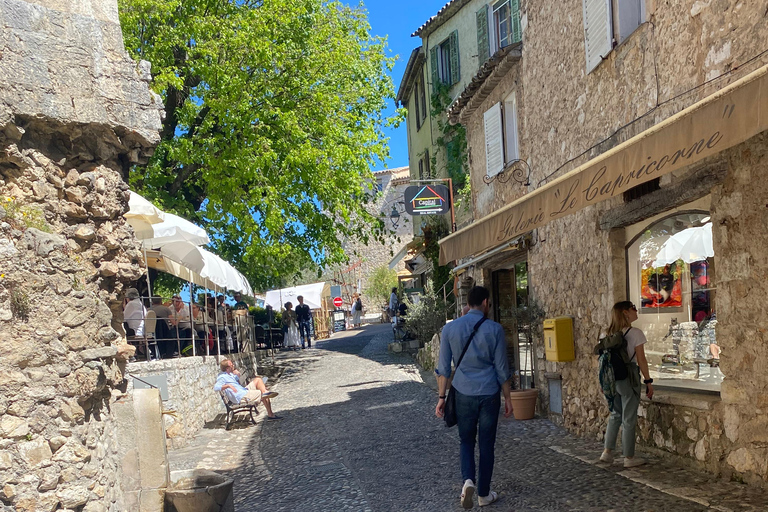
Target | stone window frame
(667,385)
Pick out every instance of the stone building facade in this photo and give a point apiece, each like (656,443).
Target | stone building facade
(549,110)
(390,186)
(74,113)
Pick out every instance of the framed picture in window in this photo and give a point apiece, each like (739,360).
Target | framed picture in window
(661,288)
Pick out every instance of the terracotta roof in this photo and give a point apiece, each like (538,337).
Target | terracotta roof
(441,17)
(394,170)
(401,176)
(481,85)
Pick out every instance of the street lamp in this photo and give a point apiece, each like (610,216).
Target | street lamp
(394,217)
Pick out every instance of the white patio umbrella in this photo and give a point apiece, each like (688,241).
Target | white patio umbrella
(172,229)
(689,245)
(185,253)
(142,213)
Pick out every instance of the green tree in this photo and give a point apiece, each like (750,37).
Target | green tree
(380,284)
(273,121)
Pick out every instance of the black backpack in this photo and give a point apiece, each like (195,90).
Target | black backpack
(615,346)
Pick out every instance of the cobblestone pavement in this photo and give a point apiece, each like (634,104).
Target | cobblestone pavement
(359,434)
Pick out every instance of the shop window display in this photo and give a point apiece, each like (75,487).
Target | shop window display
(671,268)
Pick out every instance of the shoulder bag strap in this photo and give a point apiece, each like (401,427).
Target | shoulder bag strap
(471,336)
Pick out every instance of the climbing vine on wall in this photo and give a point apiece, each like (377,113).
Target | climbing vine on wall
(452,142)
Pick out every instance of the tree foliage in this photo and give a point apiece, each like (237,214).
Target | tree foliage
(380,284)
(273,121)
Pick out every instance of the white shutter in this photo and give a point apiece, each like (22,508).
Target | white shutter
(494,143)
(512,145)
(598,31)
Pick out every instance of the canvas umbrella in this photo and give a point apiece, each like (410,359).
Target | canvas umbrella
(689,245)
(172,229)
(142,215)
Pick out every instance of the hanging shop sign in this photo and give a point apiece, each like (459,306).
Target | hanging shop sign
(427,200)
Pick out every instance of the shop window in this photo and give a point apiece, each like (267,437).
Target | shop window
(671,269)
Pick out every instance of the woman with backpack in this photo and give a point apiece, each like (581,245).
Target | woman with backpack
(627,398)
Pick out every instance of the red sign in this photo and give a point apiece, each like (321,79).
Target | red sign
(337,302)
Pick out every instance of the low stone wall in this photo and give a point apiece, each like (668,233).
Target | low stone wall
(190,390)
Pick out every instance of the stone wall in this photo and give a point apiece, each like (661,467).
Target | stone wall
(190,390)
(577,265)
(74,114)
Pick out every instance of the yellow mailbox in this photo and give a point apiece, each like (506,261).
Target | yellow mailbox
(558,339)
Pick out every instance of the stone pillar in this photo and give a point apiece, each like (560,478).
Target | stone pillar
(142,450)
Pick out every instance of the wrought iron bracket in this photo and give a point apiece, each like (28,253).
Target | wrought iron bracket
(517,170)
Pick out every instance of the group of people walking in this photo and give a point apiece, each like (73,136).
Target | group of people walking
(473,361)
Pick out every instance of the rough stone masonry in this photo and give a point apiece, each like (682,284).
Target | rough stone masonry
(75,113)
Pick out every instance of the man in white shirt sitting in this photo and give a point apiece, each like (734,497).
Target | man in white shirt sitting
(134,312)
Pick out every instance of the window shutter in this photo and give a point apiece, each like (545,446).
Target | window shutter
(517,33)
(455,73)
(630,16)
(597,31)
(433,65)
(483,46)
(493,37)
(427,163)
(494,147)
(512,146)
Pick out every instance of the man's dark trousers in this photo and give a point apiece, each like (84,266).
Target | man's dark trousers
(478,417)
(305,326)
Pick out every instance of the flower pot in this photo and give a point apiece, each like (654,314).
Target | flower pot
(524,403)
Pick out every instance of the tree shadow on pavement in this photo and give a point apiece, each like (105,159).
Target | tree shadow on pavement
(381,448)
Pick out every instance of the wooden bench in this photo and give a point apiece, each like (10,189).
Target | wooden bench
(243,406)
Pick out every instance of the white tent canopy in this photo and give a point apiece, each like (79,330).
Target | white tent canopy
(312,293)
(172,229)
(689,245)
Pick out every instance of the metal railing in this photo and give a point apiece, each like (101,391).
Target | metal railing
(449,298)
(167,328)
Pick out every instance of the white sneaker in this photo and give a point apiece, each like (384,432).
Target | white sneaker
(487,500)
(467,492)
(606,457)
(633,462)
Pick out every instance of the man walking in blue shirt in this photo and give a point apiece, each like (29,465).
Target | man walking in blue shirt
(483,372)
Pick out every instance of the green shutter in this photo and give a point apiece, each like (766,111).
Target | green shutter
(433,65)
(517,32)
(483,45)
(455,72)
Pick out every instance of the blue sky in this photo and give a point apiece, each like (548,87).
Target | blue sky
(398,19)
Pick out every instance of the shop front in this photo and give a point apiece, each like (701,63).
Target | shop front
(675,220)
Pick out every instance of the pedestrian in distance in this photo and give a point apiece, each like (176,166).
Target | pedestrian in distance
(477,382)
(304,319)
(627,397)
(393,303)
(290,328)
(357,310)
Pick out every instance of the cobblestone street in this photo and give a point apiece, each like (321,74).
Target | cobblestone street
(359,434)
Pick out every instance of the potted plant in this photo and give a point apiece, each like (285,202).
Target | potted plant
(529,320)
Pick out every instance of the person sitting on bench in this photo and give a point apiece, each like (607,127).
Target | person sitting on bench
(229,382)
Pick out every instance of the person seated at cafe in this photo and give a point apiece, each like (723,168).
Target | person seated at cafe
(134,313)
(229,382)
(181,325)
(239,303)
(163,332)
(203,326)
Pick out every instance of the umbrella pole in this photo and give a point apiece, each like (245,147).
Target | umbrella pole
(192,318)
(146,268)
